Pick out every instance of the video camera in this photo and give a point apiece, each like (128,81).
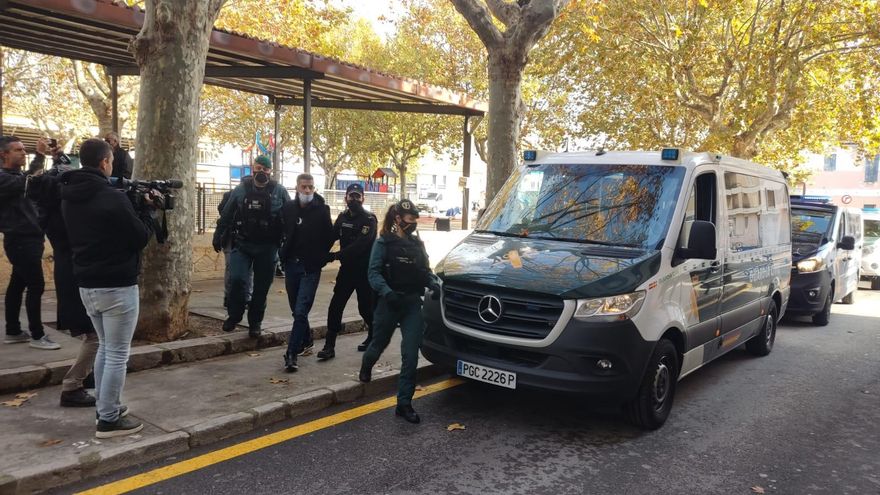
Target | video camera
(137,189)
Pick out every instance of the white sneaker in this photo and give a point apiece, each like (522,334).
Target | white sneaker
(17,339)
(45,344)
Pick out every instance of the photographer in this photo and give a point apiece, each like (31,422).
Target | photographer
(106,237)
(71,315)
(23,243)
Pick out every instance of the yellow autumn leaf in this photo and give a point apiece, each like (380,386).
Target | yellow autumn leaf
(455,426)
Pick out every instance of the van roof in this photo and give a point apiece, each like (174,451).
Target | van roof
(688,159)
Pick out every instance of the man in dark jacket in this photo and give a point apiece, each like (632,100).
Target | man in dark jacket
(106,237)
(123,165)
(308,236)
(70,314)
(23,243)
(252,216)
(355,228)
(228,242)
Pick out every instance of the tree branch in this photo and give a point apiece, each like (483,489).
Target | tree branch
(480,20)
(505,12)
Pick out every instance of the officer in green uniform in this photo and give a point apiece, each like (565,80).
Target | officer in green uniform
(399,272)
(253,216)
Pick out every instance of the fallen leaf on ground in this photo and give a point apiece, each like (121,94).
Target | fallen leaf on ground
(420,388)
(455,426)
(281,292)
(757,489)
(19,399)
(254,354)
(198,290)
(49,443)
(274,380)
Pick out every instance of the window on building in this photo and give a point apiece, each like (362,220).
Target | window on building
(831,162)
(871,168)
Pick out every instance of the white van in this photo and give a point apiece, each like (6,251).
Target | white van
(871,248)
(615,275)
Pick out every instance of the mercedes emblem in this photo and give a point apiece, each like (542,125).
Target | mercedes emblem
(489,309)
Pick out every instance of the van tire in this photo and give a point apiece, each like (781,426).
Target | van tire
(647,410)
(875,283)
(849,298)
(821,318)
(762,343)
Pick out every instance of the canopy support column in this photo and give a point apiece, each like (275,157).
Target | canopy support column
(114,98)
(466,173)
(307,126)
(276,166)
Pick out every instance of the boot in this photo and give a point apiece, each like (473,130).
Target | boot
(363,345)
(365,373)
(326,353)
(290,365)
(254,331)
(408,413)
(228,325)
(77,398)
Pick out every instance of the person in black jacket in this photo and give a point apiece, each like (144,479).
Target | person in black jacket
(356,230)
(23,243)
(106,237)
(70,312)
(308,236)
(123,165)
(228,244)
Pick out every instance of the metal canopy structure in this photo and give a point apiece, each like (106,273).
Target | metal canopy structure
(99,31)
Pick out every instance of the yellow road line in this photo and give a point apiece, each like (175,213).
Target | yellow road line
(217,456)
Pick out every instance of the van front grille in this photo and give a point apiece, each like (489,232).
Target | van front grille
(526,316)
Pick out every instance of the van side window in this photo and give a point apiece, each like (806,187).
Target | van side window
(701,205)
(744,206)
(776,217)
(853,226)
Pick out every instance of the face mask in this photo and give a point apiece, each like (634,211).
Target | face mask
(261,179)
(355,206)
(306,198)
(408,228)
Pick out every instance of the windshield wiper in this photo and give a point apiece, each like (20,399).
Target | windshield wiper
(502,234)
(589,241)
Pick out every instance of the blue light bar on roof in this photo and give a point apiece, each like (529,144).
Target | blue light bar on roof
(669,154)
(530,155)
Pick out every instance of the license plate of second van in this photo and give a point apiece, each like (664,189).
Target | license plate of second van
(481,373)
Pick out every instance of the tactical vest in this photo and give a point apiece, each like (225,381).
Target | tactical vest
(352,228)
(257,223)
(406,264)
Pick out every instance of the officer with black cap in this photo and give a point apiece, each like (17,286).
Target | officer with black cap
(355,228)
(399,272)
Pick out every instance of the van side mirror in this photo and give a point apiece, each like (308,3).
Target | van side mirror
(848,243)
(701,242)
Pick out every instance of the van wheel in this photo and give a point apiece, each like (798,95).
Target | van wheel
(651,406)
(849,298)
(821,318)
(875,283)
(762,343)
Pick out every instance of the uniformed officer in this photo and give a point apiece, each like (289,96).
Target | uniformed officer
(399,272)
(254,214)
(355,228)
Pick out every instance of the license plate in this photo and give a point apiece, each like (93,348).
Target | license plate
(485,374)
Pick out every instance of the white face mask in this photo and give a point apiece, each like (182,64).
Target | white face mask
(306,198)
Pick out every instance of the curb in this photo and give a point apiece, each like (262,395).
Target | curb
(45,476)
(151,356)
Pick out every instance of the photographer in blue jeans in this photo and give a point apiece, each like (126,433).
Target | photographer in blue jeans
(308,236)
(106,237)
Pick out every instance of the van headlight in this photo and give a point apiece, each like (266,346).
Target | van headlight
(612,308)
(810,265)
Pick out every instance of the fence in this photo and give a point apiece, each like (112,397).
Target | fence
(208,197)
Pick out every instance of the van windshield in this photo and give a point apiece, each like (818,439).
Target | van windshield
(810,227)
(619,205)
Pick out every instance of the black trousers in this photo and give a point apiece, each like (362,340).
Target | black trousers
(26,257)
(349,280)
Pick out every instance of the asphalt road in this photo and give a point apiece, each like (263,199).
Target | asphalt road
(803,420)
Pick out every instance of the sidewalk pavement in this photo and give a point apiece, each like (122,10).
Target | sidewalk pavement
(182,407)
(23,368)
(201,399)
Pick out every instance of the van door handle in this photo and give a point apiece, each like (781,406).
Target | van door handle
(714,266)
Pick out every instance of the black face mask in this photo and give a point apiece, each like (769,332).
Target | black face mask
(354,205)
(261,179)
(408,228)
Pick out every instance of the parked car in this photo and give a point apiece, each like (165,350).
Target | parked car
(826,254)
(871,249)
(435,202)
(614,275)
